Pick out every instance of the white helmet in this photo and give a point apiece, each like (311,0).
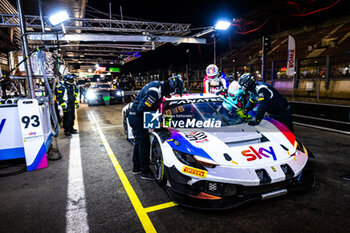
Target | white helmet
(212,71)
(233,89)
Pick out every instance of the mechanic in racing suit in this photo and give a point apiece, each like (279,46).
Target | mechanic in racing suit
(268,99)
(214,81)
(149,99)
(235,100)
(67,93)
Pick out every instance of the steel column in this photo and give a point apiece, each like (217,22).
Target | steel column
(28,67)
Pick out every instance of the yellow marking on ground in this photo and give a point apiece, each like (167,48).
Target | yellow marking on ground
(135,201)
(234,162)
(160,206)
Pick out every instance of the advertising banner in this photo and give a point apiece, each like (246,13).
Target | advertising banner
(32,134)
(11,145)
(291,55)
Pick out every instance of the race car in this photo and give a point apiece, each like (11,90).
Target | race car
(208,158)
(103,93)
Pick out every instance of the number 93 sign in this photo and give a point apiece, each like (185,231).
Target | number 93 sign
(32,134)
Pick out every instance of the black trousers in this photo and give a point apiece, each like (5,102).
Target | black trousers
(141,154)
(69,117)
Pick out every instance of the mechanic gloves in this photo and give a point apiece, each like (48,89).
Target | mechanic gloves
(76,104)
(240,113)
(64,107)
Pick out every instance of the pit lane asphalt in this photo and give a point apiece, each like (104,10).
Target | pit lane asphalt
(36,201)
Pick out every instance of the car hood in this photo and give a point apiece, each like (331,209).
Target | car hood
(240,145)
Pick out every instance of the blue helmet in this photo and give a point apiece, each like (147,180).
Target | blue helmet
(69,77)
(247,81)
(176,85)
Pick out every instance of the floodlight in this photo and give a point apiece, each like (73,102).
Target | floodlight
(222,25)
(58,18)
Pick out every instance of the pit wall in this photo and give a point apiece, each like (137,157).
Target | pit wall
(338,89)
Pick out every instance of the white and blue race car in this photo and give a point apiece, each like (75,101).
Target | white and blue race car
(208,158)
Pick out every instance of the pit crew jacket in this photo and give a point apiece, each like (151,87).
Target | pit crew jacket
(149,98)
(268,100)
(66,92)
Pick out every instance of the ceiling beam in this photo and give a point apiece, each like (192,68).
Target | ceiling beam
(89,37)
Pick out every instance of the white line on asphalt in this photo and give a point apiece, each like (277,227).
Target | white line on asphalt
(76,214)
(113,126)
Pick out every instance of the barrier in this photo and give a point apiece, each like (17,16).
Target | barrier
(25,132)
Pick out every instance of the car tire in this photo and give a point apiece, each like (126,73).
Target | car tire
(158,163)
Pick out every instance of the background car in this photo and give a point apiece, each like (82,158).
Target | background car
(225,163)
(103,93)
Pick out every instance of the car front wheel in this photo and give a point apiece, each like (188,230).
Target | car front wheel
(158,163)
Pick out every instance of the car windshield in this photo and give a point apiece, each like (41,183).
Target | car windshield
(205,111)
(94,86)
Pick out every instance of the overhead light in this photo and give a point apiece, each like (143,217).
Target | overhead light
(97,66)
(58,18)
(89,70)
(222,25)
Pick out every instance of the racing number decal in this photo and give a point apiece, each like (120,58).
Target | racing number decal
(198,137)
(34,119)
(175,110)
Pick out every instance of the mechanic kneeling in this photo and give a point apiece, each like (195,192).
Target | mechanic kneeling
(149,99)
(268,100)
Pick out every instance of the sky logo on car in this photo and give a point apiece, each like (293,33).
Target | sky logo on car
(194,171)
(151,120)
(253,154)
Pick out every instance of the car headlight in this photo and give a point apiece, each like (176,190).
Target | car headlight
(120,93)
(194,160)
(90,95)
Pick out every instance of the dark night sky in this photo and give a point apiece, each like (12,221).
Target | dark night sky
(206,13)
(197,13)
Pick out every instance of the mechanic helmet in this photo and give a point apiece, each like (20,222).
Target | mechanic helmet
(212,71)
(233,89)
(69,78)
(176,85)
(247,81)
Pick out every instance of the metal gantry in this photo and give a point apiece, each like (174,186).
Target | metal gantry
(99,25)
(132,36)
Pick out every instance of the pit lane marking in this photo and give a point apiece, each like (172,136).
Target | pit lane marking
(76,213)
(113,126)
(160,206)
(135,201)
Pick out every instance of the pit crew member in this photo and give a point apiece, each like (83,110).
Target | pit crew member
(67,92)
(149,99)
(215,81)
(268,100)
